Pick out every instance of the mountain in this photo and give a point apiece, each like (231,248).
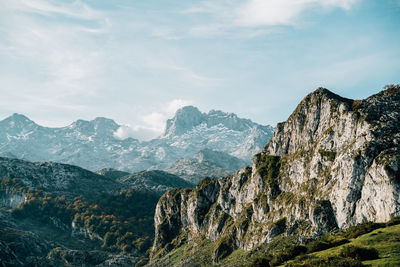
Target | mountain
(112,173)
(54,214)
(206,163)
(155,181)
(192,131)
(335,163)
(92,144)
(57,178)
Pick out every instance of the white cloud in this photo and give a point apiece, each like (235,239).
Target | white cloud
(282,12)
(152,124)
(256,13)
(138,132)
(58,53)
(74,9)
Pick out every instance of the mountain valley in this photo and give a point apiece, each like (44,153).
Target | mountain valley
(323,191)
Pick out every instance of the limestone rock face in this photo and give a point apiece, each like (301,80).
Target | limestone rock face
(334,163)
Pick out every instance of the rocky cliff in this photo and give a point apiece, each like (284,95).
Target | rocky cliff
(334,163)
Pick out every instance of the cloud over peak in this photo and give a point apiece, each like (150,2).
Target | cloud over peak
(152,124)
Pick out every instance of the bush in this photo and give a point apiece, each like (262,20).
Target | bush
(330,155)
(259,262)
(357,104)
(393,221)
(288,254)
(359,253)
(326,242)
(362,228)
(334,261)
(142,262)
(269,168)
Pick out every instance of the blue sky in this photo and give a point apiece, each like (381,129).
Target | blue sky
(138,61)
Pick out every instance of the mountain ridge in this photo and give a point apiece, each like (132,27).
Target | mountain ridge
(93,144)
(315,175)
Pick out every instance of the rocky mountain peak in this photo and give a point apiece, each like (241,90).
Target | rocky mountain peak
(189,117)
(308,121)
(229,120)
(18,124)
(98,126)
(333,164)
(18,119)
(185,119)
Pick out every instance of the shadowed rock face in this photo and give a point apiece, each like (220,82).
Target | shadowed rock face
(334,163)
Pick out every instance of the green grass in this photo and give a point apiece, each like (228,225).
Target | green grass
(238,258)
(197,252)
(385,240)
(383,237)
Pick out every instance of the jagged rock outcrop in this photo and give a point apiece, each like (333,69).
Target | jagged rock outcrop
(334,163)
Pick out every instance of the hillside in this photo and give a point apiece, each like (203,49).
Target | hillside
(333,164)
(54,214)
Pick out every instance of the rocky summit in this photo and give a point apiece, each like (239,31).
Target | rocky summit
(333,164)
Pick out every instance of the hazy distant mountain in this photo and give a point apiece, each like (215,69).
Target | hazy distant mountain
(156,181)
(206,163)
(92,144)
(192,130)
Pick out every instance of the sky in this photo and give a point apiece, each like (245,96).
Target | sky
(137,62)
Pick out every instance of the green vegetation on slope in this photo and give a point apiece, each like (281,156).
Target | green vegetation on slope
(376,244)
(123,221)
(369,244)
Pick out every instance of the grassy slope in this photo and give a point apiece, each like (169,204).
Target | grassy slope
(385,240)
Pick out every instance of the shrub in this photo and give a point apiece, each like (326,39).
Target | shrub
(362,228)
(269,167)
(393,221)
(259,262)
(357,104)
(330,155)
(288,254)
(392,89)
(334,261)
(359,253)
(142,262)
(325,242)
